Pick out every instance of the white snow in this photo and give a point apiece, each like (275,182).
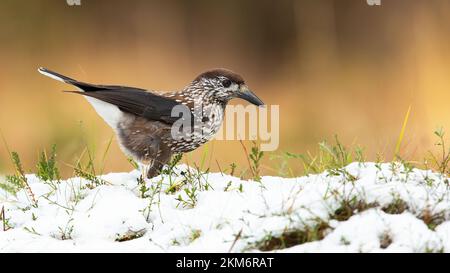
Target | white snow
(231,214)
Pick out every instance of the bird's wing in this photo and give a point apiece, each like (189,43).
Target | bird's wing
(129,99)
(137,102)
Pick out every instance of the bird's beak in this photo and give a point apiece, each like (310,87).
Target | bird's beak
(246,94)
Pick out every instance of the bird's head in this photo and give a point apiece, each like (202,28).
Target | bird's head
(224,85)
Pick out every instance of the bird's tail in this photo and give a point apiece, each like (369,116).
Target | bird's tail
(81,85)
(56,76)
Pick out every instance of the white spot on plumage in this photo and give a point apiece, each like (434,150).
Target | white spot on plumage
(110,113)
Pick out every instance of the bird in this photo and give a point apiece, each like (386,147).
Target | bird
(144,120)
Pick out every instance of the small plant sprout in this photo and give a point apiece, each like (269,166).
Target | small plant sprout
(47,169)
(195,234)
(193,181)
(4,220)
(88,171)
(282,161)
(143,189)
(227,188)
(255,156)
(32,231)
(65,232)
(442,161)
(230,187)
(191,198)
(253,160)
(18,181)
(232,168)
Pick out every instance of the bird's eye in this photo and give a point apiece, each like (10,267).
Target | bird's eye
(226,83)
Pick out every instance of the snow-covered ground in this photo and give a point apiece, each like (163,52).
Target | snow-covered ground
(392,208)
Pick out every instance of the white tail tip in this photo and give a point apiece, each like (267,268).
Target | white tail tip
(47,73)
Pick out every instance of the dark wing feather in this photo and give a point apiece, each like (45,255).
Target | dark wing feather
(129,99)
(88,87)
(135,101)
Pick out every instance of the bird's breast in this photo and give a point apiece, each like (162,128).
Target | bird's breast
(208,119)
(208,122)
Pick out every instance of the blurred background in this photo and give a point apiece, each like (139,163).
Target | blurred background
(334,67)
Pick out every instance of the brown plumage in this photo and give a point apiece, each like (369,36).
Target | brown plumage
(144,121)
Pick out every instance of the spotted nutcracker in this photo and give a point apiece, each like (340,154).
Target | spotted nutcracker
(144,120)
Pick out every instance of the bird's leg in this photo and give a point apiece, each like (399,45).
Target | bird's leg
(162,157)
